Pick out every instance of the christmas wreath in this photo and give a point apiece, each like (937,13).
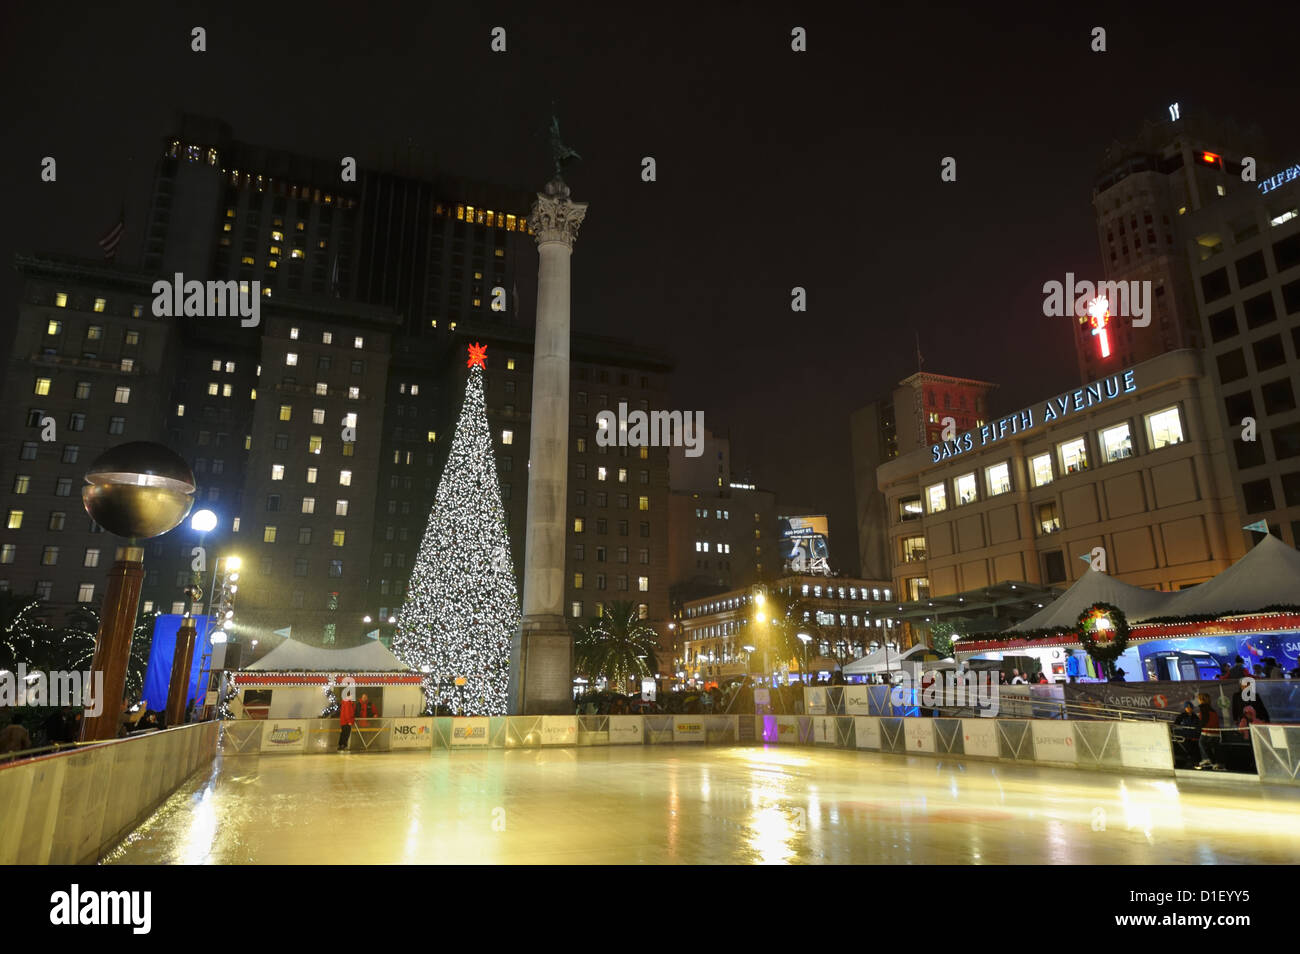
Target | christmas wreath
(1103,631)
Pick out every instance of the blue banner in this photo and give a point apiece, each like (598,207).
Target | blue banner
(158,674)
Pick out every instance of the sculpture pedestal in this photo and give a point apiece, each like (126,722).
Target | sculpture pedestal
(113,642)
(541,672)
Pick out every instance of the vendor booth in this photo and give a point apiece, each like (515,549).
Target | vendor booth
(290,681)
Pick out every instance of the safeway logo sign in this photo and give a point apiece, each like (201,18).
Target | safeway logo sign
(1160,702)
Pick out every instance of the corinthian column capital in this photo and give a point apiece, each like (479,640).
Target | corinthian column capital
(555,217)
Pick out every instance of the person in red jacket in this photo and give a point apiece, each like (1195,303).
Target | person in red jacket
(365,710)
(347,715)
(1209,740)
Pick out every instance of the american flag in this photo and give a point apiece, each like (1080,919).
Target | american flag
(113,237)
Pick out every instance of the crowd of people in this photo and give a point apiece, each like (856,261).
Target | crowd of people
(1198,730)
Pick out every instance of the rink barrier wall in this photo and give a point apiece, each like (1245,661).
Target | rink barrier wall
(70,807)
(1104,746)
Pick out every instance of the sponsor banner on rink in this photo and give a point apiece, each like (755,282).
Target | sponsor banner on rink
(866,730)
(919,734)
(626,730)
(284,735)
(824,730)
(1054,741)
(979,737)
(559,730)
(787,729)
(411,734)
(816,697)
(470,730)
(688,728)
(1145,745)
(857,700)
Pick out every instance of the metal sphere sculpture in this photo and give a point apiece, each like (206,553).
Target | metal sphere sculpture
(138,490)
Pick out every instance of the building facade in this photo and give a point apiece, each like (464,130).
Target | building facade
(1244,255)
(722,638)
(1134,464)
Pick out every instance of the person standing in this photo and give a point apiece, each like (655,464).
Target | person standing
(347,715)
(1209,740)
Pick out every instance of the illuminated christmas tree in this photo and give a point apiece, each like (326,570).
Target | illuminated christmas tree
(462,604)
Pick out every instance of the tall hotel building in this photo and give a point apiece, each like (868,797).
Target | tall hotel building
(367,291)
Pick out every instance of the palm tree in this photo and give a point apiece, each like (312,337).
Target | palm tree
(617,645)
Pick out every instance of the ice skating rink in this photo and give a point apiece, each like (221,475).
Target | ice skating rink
(691,804)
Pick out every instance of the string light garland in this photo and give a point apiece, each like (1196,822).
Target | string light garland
(462,603)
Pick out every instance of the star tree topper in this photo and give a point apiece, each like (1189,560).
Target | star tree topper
(477,355)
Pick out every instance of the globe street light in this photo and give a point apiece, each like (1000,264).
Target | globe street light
(137,490)
(205,521)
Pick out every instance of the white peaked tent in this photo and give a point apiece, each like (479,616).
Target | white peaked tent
(885,661)
(293,656)
(1097,587)
(1268,575)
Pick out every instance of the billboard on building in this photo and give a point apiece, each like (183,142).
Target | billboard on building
(804,543)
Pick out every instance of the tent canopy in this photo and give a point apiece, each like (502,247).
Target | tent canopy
(293,656)
(1266,576)
(1096,587)
(885,660)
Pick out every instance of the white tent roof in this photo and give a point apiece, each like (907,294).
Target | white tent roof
(1269,574)
(1097,587)
(876,661)
(293,656)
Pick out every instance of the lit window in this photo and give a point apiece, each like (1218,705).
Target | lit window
(577,581)
(286,412)
(338,538)
(234,525)
(60,300)
(318,415)
(936,496)
(230,367)
(1073,455)
(277,236)
(622,475)
(293,334)
(100,304)
(311,475)
(180,410)
(122,395)
(358,342)
(42,386)
(1165,428)
(354,394)
(643,584)
(1041,469)
(86,593)
(216,364)
(15,519)
(643,503)
(510,364)
(277,471)
(964,487)
(578,525)
(213,388)
(54,327)
(415,389)
(601,473)
(350,419)
(1116,442)
(322,389)
(340,508)
(291,359)
(345,478)
(268,534)
(327,337)
(314,444)
(998,478)
(431,437)
(308,504)
(94,333)
(7,553)
(132,337)
(127,364)
(92,557)
(507,437)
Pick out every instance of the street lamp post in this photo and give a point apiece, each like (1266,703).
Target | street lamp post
(178,690)
(805,639)
(138,491)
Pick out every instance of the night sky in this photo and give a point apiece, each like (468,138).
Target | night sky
(775,169)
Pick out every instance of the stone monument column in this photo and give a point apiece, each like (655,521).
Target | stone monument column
(541,658)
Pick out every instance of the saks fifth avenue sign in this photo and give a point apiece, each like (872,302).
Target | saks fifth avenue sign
(1099,392)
